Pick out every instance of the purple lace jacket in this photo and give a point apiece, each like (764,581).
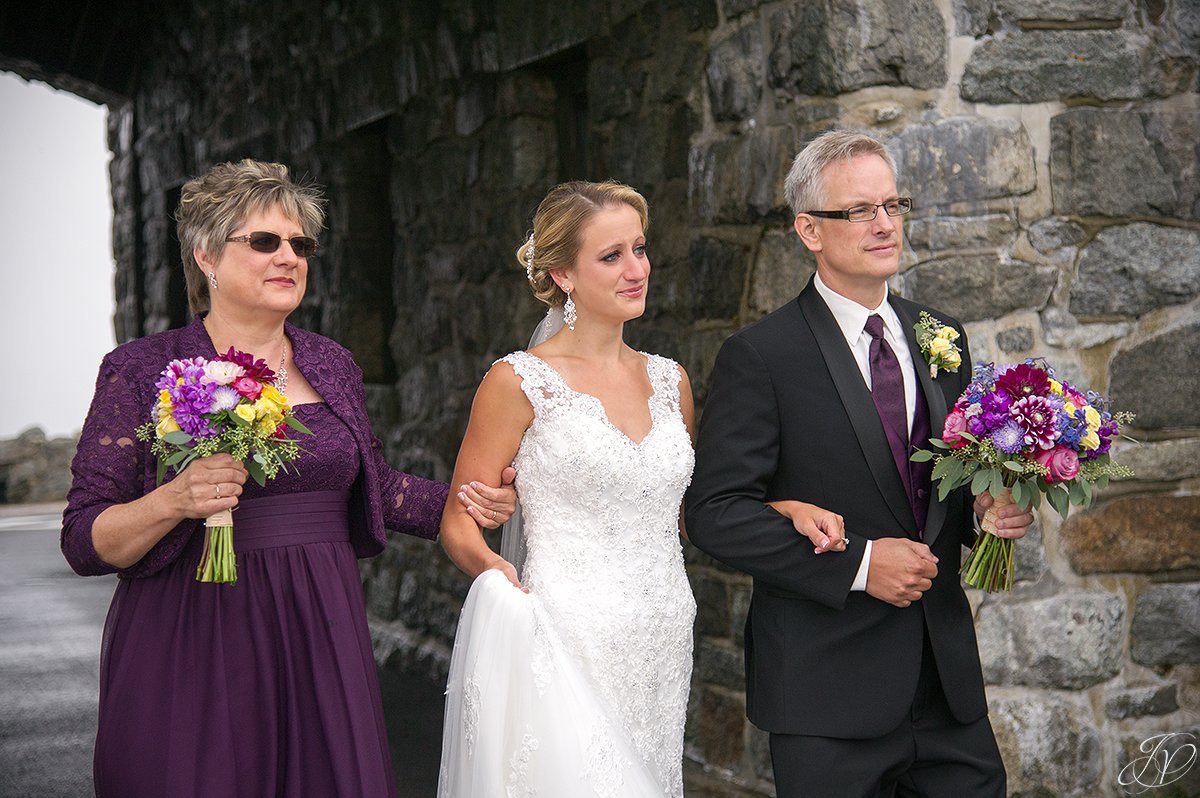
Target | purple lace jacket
(112,467)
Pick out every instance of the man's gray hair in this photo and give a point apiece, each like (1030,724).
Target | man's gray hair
(804,189)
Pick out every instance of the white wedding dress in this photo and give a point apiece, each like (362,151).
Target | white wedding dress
(579,687)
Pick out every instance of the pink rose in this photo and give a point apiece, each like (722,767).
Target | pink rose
(1062,462)
(956,424)
(248,387)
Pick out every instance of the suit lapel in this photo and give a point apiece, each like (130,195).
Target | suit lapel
(936,402)
(856,399)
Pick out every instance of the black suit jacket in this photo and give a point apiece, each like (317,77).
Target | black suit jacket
(790,417)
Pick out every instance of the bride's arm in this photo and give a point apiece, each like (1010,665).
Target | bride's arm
(687,409)
(500,415)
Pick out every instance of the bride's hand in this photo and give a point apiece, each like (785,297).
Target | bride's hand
(510,572)
(826,530)
(490,507)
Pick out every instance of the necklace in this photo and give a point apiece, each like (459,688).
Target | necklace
(281,373)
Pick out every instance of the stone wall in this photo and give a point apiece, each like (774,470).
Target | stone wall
(34,468)
(1051,149)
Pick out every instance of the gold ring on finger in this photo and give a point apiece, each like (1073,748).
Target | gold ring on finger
(218,487)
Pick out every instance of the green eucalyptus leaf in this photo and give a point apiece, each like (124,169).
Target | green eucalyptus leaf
(981,480)
(921,456)
(1014,466)
(177,438)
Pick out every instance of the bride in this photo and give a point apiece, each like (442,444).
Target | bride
(572,678)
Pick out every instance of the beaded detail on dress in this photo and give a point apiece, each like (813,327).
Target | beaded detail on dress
(604,555)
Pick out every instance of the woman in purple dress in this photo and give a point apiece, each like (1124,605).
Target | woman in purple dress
(266,687)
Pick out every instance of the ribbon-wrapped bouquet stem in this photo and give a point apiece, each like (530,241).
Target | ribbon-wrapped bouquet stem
(227,404)
(1020,434)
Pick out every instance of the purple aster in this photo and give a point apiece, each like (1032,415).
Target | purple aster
(224,398)
(1038,420)
(1009,438)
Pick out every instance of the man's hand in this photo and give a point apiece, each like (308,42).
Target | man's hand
(1011,521)
(901,570)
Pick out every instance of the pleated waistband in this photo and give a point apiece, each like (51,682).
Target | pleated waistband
(292,519)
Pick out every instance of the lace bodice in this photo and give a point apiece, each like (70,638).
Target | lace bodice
(604,555)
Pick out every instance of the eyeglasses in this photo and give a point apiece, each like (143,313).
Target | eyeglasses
(865,213)
(303,246)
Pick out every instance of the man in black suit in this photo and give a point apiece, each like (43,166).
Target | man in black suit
(863,664)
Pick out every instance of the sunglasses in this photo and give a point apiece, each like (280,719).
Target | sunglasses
(303,246)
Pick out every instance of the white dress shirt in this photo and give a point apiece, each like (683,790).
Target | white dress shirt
(851,318)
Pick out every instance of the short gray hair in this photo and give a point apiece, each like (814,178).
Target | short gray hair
(217,202)
(804,189)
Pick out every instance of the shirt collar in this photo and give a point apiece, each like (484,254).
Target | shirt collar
(851,317)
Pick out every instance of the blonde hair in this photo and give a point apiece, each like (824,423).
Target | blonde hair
(219,201)
(804,188)
(558,230)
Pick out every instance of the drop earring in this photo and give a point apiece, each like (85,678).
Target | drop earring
(212,279)
(569,314)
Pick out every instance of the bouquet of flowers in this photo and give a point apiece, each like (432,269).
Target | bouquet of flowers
(227,404)
(1019,433)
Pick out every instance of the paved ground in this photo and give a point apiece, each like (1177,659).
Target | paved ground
(50,625)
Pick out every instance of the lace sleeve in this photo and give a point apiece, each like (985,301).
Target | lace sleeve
(108,467)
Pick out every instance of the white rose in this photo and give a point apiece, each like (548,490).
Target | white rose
(222,372)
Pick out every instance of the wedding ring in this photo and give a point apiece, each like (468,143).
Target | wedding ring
(218,487)
(493,515)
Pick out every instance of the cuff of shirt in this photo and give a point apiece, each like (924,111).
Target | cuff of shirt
(860,581)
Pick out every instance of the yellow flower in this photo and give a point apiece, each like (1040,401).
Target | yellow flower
(939,346)
(244,412)
(1069,408)
(164,397)
(953,359)
(949,333)
(1056,388)
(166,424)
(1090,441)
(272,393)
(1092,417)
(265,408)
(268,425)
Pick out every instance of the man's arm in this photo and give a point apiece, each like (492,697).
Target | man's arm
(737,454)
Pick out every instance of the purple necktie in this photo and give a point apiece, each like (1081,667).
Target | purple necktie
(887,386)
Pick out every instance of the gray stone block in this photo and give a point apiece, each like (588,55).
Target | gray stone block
(718,272)
(735,73)
(1015,340)
(975,287)
(1047,235)
(1061,329)
(1110,162)
(1160,461)
(1070,641)
(1166,625)
(942,233)
(971,17)
(1137,702)
(1038,65)
(1135,268)
(1050,746)
(1157,379)
(964,160)
(828,47)
(782,266)
(1062,10)
(740,178)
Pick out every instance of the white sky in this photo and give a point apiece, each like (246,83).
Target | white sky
(56,268)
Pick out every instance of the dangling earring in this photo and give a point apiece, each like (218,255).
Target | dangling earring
(212,280)
(569,314)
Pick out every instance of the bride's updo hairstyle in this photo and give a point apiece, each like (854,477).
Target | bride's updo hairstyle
(558,230)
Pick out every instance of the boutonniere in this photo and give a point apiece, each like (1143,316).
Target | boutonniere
(936,341)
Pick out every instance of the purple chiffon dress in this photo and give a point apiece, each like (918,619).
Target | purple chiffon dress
(266,687)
